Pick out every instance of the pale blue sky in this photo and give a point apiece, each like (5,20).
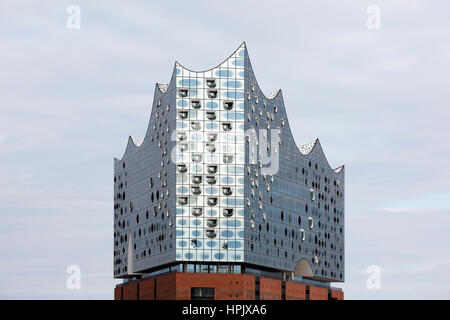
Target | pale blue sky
(377,99)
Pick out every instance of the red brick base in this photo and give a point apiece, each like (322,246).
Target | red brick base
(177,286)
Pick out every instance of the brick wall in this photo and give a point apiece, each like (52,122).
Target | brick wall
(269,289)
(130,291)
(226,287)
(147,289)
(335,294)
(295,290)
(118,293)
(317,293)
(166,287)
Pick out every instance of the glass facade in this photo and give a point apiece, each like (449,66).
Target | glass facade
(219,182)
(210,162)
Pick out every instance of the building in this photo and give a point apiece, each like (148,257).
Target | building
(218,189)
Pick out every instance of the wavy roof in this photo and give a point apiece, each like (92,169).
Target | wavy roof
(162,88)
(306,148)
(136,141)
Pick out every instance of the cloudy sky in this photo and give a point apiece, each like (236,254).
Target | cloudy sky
(378,99)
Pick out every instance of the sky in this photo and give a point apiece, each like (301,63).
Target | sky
(378,99)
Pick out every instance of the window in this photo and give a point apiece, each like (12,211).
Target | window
(212,223)
(183,92)
(212,168)
(211,115)
(210,147)
(182,147)
(311,222)
(196,104)
(227,191)
(183,114)
(202,293)
(195,190)
(197,179)
(227,212)
(211,83)
(196,157)
(195,125)
(227,158)
(211,180)
(212,137)
(228,105)
(212,201)
(210,234)
(197,211)
(212,93)
(312,194)
(303,235)
(182,200)
(226,126)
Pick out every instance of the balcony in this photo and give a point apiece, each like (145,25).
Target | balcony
(227,191)
(227,212)
(212,169)
(211,180)
(196,104)
(197,212)
(228,105)
(197,179)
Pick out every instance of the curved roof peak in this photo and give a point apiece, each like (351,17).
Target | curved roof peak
(237,51)
(136,141)
(163,87)
(306,148)
(273,94)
